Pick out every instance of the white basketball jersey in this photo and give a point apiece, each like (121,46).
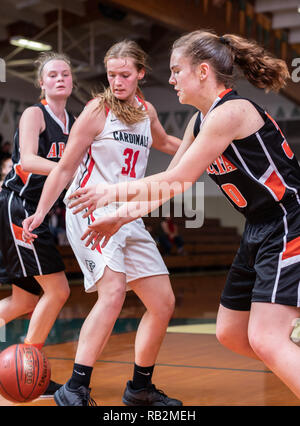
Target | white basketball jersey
(120,152)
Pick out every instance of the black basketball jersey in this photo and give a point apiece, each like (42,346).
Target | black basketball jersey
(258,174)
(52,143)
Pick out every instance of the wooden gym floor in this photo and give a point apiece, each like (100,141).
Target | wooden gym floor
(192,365)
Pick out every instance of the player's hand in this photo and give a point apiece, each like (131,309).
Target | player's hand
(103,228)
(29,224)
(91,198)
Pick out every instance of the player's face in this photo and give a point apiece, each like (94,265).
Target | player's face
(57,80)
(184,78)
(123,77)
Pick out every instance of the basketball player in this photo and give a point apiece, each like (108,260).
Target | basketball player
(247,155)
(110,141)
(38,145)
(5,167)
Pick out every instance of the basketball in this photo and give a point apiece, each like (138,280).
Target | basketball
(24,373)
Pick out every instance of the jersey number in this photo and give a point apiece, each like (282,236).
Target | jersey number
(234,194)
(131,157)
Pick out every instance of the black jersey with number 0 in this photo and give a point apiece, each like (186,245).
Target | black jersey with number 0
(259,174)
(51,146)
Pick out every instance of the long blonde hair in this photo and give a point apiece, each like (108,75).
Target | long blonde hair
(43,59)
(122,109)
(259,66)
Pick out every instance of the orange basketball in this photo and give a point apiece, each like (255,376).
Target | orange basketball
(24,373)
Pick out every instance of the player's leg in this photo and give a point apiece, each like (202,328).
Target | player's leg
(235,305)
(270,328)
(20,302)
(157,295)
(56,292)
(111,294)
(232,331)
(94,334)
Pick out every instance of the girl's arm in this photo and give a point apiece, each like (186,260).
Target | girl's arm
(87,198)
(88,125)
(217,132)
(31,125)
(189,163)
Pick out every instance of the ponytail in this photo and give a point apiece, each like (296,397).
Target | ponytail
(259,67)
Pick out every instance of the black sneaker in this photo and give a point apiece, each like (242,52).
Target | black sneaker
(147,396)
(65,396)
(51,389)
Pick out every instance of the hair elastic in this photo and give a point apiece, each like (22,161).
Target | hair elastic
(224,40)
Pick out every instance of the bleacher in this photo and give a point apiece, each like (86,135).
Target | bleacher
(210,247)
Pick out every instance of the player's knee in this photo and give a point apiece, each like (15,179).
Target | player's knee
(62,294)
(170,305)
(164,307)
(224,335)
(24,305)
(229,337)
(264,346)
(114,296)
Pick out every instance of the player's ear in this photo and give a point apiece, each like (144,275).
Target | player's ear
(141,74)
(202,70)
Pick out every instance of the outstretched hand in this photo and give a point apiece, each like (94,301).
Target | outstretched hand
(91,198)
(103,228)
(29,224)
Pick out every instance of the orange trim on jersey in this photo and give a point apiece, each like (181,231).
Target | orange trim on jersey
(287,150)
(222,94)
(90,169)
(44,102)
(274,183)
(292,248)
(274,122)
(98,248)
(22,175)
(143,102)
(18,232)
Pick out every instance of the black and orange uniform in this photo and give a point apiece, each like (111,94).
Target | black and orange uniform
(260,176)
(19,198)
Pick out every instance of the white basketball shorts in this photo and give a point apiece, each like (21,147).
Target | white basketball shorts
(131,250)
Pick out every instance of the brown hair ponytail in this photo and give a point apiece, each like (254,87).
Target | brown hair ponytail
(259,67)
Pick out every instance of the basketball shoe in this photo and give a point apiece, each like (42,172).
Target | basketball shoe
(51,389)
(66,396)
(147,396)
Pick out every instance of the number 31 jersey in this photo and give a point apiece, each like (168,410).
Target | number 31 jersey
(258,174)
(120,152)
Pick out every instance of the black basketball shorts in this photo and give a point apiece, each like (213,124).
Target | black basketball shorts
(21,260)
(28,284)
(267,265)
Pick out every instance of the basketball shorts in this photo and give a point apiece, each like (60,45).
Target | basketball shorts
(131,250)
(3,274)
(24,261)
(267,265)
(28,284)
